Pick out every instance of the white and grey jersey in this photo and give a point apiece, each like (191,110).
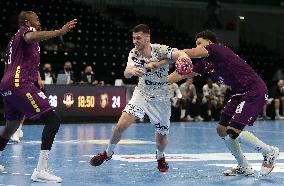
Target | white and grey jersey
(154,83)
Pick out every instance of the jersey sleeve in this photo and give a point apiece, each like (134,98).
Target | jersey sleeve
(210,48)
(131,59)
(25,30)
(165,52)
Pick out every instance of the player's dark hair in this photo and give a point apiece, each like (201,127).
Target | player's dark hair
(23,16)
(141,28)
(207,34)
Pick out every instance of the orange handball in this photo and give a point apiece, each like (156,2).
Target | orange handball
(183,65)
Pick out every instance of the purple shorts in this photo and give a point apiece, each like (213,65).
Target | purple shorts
(245,108)
(27,101)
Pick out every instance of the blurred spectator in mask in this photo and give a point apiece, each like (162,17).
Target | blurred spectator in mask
(88,77)
(47,75)
(69,72)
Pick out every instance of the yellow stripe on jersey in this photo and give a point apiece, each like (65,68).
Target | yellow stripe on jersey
(17,76)
(32,101)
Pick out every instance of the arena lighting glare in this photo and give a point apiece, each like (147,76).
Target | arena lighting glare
(241,17)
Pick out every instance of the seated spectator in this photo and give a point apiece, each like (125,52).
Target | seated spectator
(279,75)
(277,93)
(211,97)
(69,72)
(191,103)
(47,75)
(88,77)
(175,96)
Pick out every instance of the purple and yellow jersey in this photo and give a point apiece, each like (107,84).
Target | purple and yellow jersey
(22,60)
(224,66)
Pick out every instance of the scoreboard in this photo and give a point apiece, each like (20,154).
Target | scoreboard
(86,101)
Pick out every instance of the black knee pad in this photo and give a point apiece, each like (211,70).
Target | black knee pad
(51,120)
(233,134)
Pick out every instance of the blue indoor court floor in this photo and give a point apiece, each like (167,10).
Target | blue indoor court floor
(195,154)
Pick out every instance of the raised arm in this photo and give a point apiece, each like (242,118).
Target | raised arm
(197,52)
(31,37)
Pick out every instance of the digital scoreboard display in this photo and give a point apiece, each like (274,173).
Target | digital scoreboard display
(88,101)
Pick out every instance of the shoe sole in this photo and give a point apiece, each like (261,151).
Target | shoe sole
(44,181)
(227,174)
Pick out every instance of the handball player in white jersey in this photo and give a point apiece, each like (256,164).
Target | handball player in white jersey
(151,95)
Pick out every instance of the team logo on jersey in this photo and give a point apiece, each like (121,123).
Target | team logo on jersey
(68,99)
(104,100)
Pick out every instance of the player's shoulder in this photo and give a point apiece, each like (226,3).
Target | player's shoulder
(24,29)
(215,45)
(157,45)
(133,52)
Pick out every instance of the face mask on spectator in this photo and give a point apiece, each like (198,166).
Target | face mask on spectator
(68,69)
(88,73)
(47,70)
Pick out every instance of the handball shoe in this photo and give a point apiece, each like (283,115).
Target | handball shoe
(239,170)
(45,175)
(269,161)
(100,158)
(162,165)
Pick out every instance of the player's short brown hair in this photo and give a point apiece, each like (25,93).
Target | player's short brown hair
(141,28)
(207,34)
(23,16)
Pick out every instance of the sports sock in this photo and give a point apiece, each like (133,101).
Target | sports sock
(235,149)
(277,112)
(159,154)
(42,160)
(110,149)
(251,140)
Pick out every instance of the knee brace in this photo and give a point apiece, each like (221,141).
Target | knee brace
(233,134)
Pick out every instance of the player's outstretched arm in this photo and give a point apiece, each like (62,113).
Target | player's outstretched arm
(133,71)
(31,37)
(197,52)
(177,54)
(175,77)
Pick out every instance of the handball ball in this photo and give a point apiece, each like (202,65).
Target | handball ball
(183,65)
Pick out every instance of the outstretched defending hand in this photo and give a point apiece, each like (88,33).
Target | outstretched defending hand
(69,25)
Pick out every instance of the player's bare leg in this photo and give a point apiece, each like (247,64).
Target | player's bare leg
(6,133)
(161,143)
(124,122)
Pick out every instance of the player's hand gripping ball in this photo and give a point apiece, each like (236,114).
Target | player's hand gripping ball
(183,65)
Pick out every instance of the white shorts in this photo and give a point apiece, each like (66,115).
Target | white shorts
(159,111)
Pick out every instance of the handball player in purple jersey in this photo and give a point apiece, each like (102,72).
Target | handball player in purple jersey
(21,96)
(249,94)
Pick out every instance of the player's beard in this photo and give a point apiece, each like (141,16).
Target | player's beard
(140,48)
